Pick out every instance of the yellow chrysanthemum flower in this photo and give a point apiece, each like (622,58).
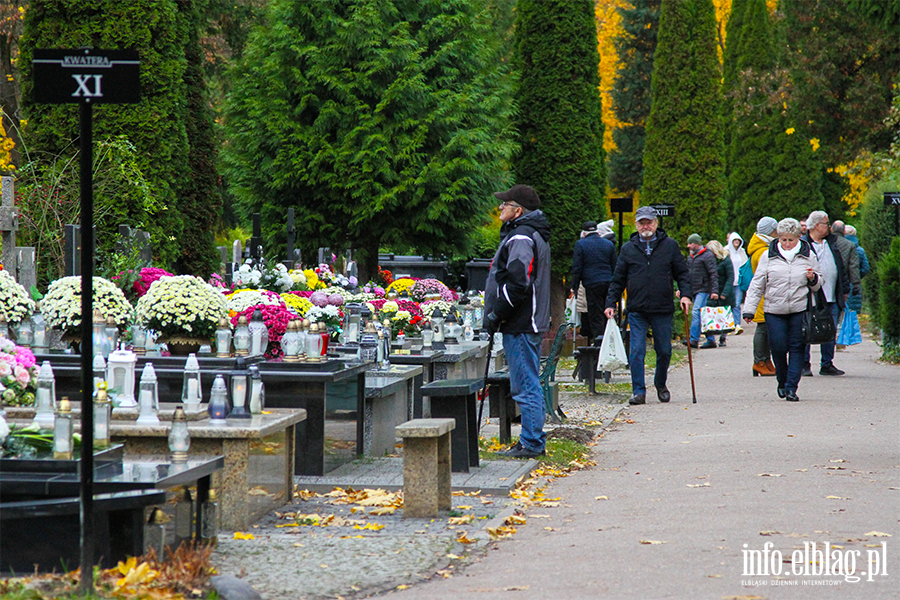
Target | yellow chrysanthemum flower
(815,143)
(789,130)
(298,303)
(401,285)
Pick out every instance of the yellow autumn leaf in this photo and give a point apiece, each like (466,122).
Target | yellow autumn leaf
(462,538)
(461,520)
(601,497)
(651,542)
(139,574)
(239,535)
(383,510)
(515,520)
(877,534)
(814,143)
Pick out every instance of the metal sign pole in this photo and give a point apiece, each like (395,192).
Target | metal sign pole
(87,350)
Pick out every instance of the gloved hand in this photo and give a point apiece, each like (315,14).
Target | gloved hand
(856,290)
(491,323)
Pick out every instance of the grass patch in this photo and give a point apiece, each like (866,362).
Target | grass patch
(560,452)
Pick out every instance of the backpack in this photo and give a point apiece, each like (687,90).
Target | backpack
(745,276)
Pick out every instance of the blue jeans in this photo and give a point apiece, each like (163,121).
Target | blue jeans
(639,324)
(523,353)
(700,300)
(786,344)
(826,349)
(736,309)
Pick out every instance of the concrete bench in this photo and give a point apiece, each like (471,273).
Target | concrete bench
(426,466)
(456,399)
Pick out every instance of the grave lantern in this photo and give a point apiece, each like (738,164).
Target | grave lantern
(257,391)
(259,334)
(368,345)
(223,339)
(242,337)
(25,333)
(290,343)
(218,402)
(139,339)
(437,326)
(427,335)
(101,417)
(120,374)
(99,340)
(179,437)
(112,335)
(240,388)
(63,430)
(191,389)
(148,399)
(99,369)
(314,343)
(40,330)
(451,328)
(351,325)
(45,400)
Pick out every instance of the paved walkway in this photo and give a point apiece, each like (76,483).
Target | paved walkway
(687,491)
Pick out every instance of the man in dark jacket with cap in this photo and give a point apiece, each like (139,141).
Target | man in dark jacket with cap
(517,303)
(593,263)
(648,265)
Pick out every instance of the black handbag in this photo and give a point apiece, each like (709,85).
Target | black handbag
(818,323)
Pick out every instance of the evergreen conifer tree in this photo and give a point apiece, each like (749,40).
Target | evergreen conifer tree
(385,122)
(684,156)
(631,93)
(156,126)
(560,123)
(729,68)
(773,169)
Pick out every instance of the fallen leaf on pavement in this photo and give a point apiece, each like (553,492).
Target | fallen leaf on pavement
(462,538)
(878,534)
(651,542)
(514,520)
(835,498)
(461,520)
(239,535)
(698,484)
(769,532)
(516,588)
(769,475)
(501,532)
(601,497)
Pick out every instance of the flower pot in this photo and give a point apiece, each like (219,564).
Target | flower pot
(183,346)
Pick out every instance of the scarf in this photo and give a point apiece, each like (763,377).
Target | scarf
(789,254)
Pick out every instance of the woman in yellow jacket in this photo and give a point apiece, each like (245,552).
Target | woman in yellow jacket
(759,244)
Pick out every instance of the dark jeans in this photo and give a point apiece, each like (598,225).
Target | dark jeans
(826,349)
(640,323)
(761,343)
(786,344)
(596,302)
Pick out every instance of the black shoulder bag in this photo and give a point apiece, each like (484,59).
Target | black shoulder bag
(818,324)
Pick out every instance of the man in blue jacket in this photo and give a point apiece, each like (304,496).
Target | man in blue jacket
(593,263)
(648,265)
(517,303)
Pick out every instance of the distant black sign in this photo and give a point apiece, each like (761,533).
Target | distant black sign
(86,75)
(664,210)
(892,198)
(621,205)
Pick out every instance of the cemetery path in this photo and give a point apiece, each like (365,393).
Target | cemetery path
(684,496)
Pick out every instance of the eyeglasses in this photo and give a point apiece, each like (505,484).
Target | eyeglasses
(512,204)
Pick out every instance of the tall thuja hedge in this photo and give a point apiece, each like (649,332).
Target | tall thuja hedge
(156,126)
(773,169)
(889,284)
(384,122)
(631,93)
(684,157)
(730,76)
(559,121)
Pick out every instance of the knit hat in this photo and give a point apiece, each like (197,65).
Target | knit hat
(766,226)
(695,238)
(523,195)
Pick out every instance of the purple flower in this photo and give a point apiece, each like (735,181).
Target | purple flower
(335,299)
(379,291)
(353,281)
(320,299)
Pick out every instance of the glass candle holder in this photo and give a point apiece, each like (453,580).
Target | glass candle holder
(179,436)
(223,339)
(242,337)
(240,389)
(191,388)
(101,417)
(45,398)
(63,431)
(218,402)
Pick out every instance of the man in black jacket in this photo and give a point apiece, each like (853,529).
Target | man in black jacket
(648,265)
(593,263)
(517,303)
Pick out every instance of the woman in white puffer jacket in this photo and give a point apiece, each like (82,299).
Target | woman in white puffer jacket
(787,273)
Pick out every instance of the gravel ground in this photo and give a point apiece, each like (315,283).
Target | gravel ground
(327,547)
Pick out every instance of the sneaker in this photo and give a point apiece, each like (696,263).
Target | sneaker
(831,370)
(806,372)
(708,344)
(638,399)
(739,330)
(722,342)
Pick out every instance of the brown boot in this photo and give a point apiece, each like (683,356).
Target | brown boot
(761,368)
(770,366)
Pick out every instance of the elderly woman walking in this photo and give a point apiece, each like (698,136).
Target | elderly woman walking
(785,276)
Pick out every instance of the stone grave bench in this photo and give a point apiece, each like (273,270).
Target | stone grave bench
(456,399)
(586,366)
(426,466)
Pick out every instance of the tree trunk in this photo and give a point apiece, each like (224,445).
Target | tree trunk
(9,101)
(367,263)
(557,304)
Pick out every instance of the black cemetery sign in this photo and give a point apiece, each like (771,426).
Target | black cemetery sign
(86,75)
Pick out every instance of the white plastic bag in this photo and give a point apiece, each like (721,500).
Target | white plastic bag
(572,315)
(612,350)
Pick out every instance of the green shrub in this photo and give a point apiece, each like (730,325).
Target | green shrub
(889,294)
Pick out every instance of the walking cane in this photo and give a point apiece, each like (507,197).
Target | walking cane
(687,336)
(484,390)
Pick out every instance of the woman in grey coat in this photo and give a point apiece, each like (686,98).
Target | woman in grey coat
(787,273)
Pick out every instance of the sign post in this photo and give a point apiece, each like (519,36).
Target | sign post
(663,210)
(86,76)
(621,206)
(893,199)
